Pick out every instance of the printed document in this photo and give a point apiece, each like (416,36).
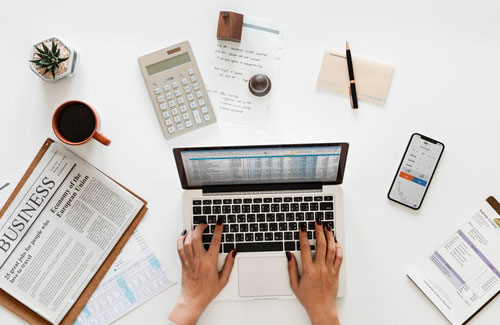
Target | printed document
(233,64)
(57,232)
(462,275)
(138,274)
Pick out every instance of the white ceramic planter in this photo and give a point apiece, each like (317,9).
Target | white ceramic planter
(69,64)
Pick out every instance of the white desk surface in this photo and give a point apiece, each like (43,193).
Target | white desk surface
(445,85)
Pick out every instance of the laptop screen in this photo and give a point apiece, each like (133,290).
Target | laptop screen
(321,163)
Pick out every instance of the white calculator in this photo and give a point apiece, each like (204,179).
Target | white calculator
(177,90)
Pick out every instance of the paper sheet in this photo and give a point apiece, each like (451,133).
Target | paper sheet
(138,274)
(233,64)
(462,274)
(373,77)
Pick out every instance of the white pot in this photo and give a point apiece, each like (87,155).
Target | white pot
(70,66)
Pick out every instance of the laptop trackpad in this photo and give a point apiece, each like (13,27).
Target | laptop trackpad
(263,276)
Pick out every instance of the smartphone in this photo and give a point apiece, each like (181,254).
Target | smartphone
(415,171)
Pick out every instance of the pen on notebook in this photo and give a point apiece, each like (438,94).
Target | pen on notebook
(352,83)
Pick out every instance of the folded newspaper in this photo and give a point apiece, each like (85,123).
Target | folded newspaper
(59,229)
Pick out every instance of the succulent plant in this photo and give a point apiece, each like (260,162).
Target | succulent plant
(48,59)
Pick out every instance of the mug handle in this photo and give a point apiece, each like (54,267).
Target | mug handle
(102,138)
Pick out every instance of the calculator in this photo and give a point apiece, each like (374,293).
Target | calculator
(177,90)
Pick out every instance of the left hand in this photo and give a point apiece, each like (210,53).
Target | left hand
(201,282)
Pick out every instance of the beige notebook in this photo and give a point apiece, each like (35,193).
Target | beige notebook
(373,77)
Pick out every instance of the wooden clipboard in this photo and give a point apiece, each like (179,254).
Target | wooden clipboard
(29,315)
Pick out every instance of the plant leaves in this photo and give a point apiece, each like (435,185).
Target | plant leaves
(54,47)
(35,61)
(44,62)
(54,72)
(63,59)
(45,48)
(38,49)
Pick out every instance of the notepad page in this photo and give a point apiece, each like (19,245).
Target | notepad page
(373,77)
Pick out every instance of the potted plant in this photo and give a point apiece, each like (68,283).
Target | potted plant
(53,59)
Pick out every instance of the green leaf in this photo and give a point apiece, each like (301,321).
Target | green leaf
(38,49)
(57,52)
(63,59)
(45,48)
(35,61)
(44,62)
(54,48)
(46,70)
(54,72)
(43,56)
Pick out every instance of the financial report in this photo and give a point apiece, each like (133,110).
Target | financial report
(261,165)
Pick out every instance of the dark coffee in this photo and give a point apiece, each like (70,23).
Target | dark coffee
(76,122)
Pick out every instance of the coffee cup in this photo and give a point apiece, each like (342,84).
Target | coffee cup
(75,122)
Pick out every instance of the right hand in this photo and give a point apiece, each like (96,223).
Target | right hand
(317,288)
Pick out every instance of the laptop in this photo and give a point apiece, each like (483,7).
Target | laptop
(263,194)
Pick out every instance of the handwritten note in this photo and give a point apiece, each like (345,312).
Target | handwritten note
(233,64)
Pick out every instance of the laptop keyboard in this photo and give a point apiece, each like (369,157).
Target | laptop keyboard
(262,224)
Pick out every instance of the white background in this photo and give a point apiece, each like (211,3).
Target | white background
(445,85)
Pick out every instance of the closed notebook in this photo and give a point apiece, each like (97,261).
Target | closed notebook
(373,77)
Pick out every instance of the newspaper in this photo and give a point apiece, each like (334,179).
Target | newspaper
(57,232)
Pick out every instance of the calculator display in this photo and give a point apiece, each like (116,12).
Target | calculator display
(168,63)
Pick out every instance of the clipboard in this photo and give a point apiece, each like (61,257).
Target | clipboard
(29,315)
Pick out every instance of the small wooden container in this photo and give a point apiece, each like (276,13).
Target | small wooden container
(230,26)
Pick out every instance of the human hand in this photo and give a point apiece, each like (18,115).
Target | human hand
(201,282)
(317,288)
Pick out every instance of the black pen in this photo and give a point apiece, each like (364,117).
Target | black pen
(352,92)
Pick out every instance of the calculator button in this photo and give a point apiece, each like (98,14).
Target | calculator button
(175,84)
(193,78)
(180,100)
(160,99)
(201,102)
(171,130)
(187,89)
(198,94)
(197,117)
(180,127)
(163,106)
(204,109)
(171,103)
(183,108)
(177,119)
(207,117)
(165,88)
(190,71)
(185,116)
(168,122)
(184,81)
(168,96)
(192,104)
(196,86)
(177,93)
(190,97)
(166,114)
(175,111)
(157,91)
(189,123)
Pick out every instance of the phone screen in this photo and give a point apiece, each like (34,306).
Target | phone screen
(415,171)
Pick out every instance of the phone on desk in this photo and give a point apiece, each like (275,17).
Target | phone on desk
(415,171)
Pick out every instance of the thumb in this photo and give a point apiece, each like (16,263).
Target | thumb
(227,268)
(293,271)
